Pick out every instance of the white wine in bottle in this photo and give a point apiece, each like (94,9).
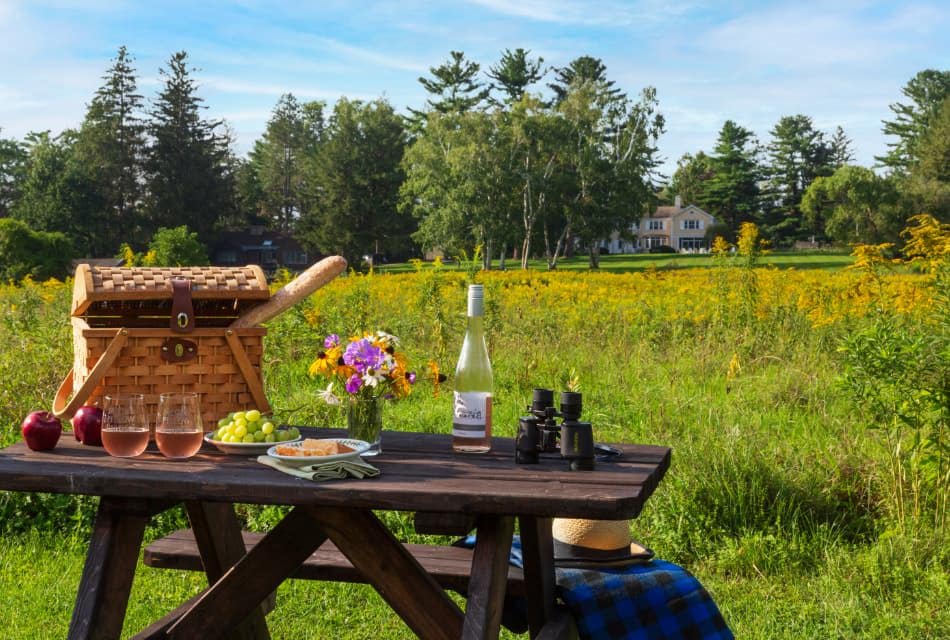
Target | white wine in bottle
(471,420)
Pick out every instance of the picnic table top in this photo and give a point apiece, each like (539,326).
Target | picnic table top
(419,472)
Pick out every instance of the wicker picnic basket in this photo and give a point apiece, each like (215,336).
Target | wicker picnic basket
(166,329)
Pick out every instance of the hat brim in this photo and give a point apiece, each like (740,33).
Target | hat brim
(570,556)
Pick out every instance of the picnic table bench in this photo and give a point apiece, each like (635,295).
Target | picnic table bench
(419,474)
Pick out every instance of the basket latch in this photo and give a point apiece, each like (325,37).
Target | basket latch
(178,350)
(183,311)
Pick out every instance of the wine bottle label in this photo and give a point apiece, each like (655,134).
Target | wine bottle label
(471,414)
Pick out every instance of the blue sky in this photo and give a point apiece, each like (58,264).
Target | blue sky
(752,62)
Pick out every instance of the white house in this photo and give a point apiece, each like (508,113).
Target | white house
(683,228)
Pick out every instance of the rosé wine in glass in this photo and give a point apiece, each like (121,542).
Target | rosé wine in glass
(124,425)
(178,430)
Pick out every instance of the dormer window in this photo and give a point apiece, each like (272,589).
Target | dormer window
(655,225)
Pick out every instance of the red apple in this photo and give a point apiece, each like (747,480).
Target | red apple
(41,430)
(87,425)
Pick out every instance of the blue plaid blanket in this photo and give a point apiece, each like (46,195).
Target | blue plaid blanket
(656,600)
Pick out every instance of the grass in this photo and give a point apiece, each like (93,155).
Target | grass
(775,499)
(626,263)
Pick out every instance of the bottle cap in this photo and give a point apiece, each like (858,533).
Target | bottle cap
(476,300)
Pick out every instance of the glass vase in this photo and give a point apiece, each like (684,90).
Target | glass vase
(364,421)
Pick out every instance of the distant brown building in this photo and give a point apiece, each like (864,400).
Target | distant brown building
(269,249)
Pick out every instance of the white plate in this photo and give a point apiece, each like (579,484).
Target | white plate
(359,446)
(245,448)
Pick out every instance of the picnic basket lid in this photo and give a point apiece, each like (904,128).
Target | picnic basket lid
(220,292)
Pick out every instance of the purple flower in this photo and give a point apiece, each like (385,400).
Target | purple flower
(363,355)
(332,340)
(354,383)
(411,377)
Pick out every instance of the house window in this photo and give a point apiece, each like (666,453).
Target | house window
(692,243)
(295,257)
(655,225)
(226,256)
(652,241)
(692,224)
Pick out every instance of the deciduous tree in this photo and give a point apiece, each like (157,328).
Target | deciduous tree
(854,204)
(690,178)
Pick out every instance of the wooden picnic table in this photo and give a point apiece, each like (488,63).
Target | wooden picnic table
(419,473)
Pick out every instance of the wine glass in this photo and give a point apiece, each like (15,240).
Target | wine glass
(124,425)
(178,430)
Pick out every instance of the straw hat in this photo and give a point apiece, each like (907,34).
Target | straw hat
(595,542)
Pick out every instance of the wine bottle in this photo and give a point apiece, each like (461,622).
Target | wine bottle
(471,421)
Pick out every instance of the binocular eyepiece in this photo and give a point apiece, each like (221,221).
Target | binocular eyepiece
(539,431)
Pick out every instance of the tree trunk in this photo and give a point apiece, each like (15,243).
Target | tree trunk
(486,256)
(594,256)
(501,259)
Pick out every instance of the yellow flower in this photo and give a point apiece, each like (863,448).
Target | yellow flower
(326,362)
(436,376)
(400,383)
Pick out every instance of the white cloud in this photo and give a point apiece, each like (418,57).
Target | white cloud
(610,13)
(380,58)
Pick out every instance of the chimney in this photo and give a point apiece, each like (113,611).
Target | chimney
(678,202)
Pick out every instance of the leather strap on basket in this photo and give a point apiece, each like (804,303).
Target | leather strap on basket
(64,409)
(183,310)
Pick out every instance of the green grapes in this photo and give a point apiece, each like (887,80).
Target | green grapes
(251,427)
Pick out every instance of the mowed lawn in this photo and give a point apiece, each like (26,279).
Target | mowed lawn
(625,263)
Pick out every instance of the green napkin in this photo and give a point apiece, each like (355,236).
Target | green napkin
(337,470)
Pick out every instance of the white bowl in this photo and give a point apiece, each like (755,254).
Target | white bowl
(245,448)
(358,446)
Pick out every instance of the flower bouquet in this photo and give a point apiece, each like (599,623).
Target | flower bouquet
(364,372)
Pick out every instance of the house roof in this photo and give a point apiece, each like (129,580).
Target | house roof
(670,212)
(250,241)
(666,212)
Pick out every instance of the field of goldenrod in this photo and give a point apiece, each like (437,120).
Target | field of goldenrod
(781,492)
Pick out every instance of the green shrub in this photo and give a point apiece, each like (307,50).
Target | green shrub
(40,255)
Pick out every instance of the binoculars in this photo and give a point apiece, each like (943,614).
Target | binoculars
(539,432)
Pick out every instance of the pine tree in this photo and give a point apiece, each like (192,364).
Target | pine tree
(798,154)
(731,194)
(352,185)
(294,133)
(840,149)
(514,73)
(584,69)
(454,86)
(13,157)
(927,91)
(189,166)
(112,146)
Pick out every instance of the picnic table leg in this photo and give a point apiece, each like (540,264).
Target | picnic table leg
(537,548)
(218,535)
(245,585)
(489,578)
(110,567)
(395,574)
